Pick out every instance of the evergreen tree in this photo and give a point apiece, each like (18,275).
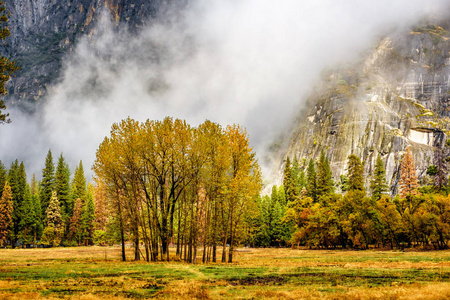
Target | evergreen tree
(295,173)
(88,217)
(52,232)
(378,184)
(12,178)
(311,178)
(53,211)
(289,181)
(17,179)
(3,177)
(27,223)
(34,186)
(408,179)
(62,187)
(79,184)
(301,182)
(48,182)
(355,174)
(6,213)
(75,222)
(37,226)
(325,183)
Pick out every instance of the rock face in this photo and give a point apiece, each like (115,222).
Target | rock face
(43,31)
(398,96)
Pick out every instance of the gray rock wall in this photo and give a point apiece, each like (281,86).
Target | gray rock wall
(398,96)
(44,31)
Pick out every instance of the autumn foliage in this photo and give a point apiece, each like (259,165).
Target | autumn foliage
(168,182)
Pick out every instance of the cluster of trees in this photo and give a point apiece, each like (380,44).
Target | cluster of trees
(306,210)
(51,212)
(169,183)
(162,183)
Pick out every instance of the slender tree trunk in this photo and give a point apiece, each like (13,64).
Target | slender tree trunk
(122,235)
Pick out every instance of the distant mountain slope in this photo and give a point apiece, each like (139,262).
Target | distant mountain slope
(397,96)
(43,31)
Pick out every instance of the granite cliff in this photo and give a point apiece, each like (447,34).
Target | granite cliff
(397,96)
(44,31)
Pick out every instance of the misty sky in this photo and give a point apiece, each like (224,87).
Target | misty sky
(249,62)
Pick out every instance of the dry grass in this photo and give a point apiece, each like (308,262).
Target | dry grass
(97,273)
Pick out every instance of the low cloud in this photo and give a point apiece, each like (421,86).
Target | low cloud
(249,62)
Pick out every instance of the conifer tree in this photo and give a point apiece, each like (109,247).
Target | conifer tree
(88,217)
(47,182)
(12,178)
(38,227)
(53,211)
(295,173)
(6,213)
(79,183)
(3,177)
(301,182)
(378,184)
(355,174)
(324,176)
(62,187)
(288,180)
(52,232)
(408,179)
(17,179)
(75,222)
(28,220)
(311,180)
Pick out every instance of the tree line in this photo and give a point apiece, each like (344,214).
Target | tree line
(161,184)
(51,212)
(307,211)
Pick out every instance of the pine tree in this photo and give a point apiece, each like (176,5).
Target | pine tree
(301,182)
(295,173)
(378,184)
(53,211)
(6,213)
(88,217)
(3,177)
(62,187)
(52,233)
(17,179)
(47,182)
(311,179)
(79,184)
(28,220)
(37,227)
(75,222)
(408,179)
(289,181)
(355,174)
(7,67)
(325,185)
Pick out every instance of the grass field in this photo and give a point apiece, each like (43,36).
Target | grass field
(97,272)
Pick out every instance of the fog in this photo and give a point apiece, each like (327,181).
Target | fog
(250,62)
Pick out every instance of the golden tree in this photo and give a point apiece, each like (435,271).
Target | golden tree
(408,179)
(6,211)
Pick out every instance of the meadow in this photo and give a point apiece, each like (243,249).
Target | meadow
(98,273)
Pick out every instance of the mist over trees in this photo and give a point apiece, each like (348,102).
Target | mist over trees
(162,185)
